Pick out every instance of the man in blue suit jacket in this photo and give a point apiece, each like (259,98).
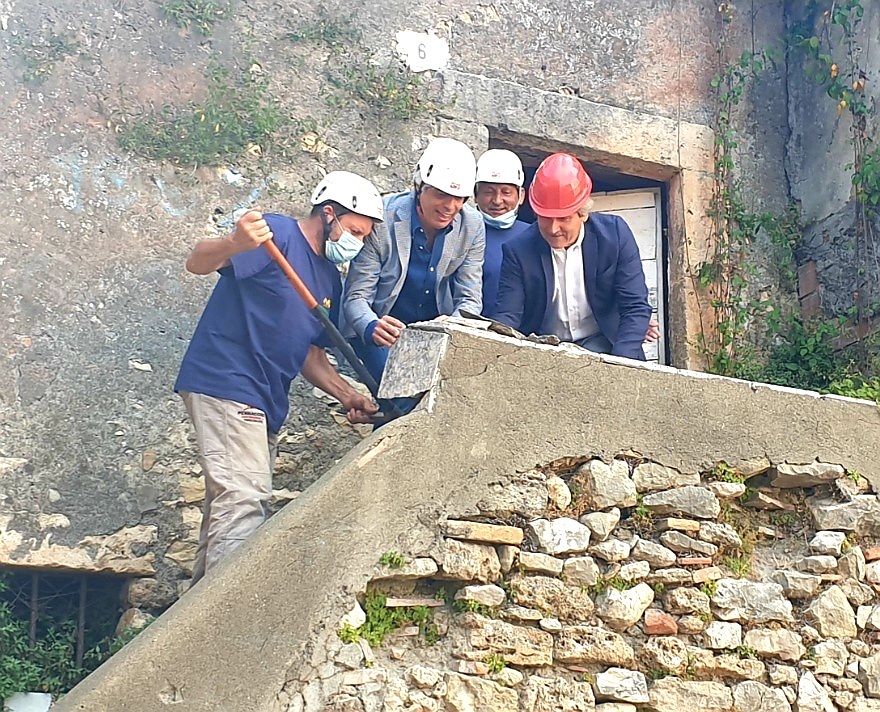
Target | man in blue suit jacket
(425,261)
(574,274)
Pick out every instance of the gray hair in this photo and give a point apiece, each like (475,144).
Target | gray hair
(584,212)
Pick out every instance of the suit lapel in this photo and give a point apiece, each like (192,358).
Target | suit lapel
(449,246)
(547,266)
(403,237)
(590,253)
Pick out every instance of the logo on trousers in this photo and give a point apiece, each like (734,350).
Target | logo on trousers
(252,415)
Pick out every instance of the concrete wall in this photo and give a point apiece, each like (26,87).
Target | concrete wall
(96,306)
(496,408)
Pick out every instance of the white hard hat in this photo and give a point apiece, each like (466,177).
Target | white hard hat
(447,165)
(352,192)
(498,165)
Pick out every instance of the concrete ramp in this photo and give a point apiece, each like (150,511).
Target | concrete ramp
(496,406)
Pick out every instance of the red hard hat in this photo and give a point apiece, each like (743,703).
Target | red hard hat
(560,187)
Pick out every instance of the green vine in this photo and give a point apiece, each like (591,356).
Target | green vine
(756,335)
(729,273)
(835,66)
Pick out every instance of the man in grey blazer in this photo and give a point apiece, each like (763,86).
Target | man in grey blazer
(424,261)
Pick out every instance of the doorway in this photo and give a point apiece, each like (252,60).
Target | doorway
(639,201)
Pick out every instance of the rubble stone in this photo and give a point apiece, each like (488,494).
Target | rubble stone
(540,563)
(673,695)
(690,500)
(581,570)
(611,550)
(686,600)
(832,615)
(751,696)
(560,494)
(466,694)
(780,643)
(811,696)
(861,514)
(827,543)
(720,635)
(608,486)
(543,694)
(552,597)
(750,601)
(798,585)
(489,595)
(484,533)
(623,609)
(561,536)
(478,637)
(655,554)
(622,685)
(654,477)
(722,535)
(602,524)
(589,645)
(464,561)
(683,543)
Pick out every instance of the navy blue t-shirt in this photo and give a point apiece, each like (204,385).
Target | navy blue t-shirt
(495,238)
(255,332)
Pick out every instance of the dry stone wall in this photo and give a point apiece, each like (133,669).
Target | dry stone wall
(622,586)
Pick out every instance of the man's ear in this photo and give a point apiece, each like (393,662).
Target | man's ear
(522,197)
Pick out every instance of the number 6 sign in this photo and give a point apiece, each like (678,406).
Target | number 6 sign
(422,51)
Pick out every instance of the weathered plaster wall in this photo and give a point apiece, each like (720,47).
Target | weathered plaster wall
(96,306)
(834,264)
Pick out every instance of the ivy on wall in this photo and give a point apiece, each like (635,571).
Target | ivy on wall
(755,335)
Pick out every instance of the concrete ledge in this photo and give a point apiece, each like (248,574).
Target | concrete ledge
(500,405)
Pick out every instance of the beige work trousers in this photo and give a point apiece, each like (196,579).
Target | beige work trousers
(237,454)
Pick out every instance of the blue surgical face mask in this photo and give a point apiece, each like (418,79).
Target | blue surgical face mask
(502,222)
(345,249)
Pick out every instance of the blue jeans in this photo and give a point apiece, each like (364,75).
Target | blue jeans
(596,343)
(374,357)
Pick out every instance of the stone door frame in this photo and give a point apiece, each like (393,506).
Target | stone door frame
(677,153)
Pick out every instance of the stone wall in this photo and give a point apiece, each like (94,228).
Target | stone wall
(621,586)
(266,622)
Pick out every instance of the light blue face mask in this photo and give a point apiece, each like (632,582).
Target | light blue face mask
(345,249)
(502,222)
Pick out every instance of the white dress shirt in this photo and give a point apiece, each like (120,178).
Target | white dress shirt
(570,316)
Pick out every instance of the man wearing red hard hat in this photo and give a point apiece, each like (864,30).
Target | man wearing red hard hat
(574,274)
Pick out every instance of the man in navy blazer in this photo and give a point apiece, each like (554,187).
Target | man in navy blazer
(574,274)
